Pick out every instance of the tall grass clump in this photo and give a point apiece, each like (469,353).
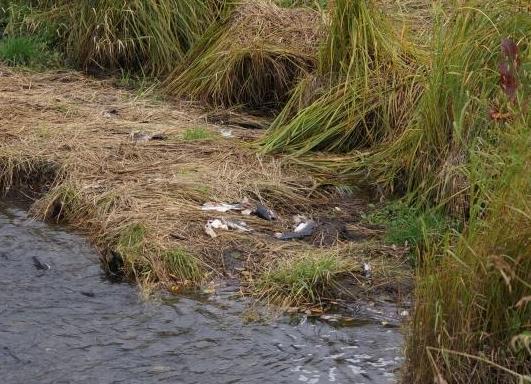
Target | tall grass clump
(453,115)
(182,266)
(472,319)
(141,35)
(251,57)
(361,91)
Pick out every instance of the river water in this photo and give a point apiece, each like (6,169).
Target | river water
(69,324)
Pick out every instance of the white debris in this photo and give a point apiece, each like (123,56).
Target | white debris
(367,269)
(218,224)
(210,231)
(404,313)
(227,133)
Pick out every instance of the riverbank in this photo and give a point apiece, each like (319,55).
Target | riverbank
(428,103)
(69,318)
(79,147)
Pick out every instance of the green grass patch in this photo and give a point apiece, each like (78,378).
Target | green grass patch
(409,225)
(303,280)
(29,52)
(131,240)
(197,133)
(182,265)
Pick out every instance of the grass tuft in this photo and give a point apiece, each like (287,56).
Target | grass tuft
(303,280)
(198,133)
(183,266)
(27,51)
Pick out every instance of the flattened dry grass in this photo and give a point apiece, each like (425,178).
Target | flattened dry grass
(67,140)
(252,57)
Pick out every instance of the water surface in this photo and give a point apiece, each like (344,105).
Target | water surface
(70,324)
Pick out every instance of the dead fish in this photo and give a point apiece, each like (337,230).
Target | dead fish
(39,264)
(110,113)
(159,136)
(303,229)
(224,224)
(139,137)
(88,294)
(142,137)
(264,213)
(221,207)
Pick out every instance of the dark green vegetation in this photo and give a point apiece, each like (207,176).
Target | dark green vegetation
(410,225)
(443,122)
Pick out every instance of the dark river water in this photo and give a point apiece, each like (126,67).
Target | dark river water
(70,324)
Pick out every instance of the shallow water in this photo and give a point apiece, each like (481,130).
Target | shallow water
(70,324)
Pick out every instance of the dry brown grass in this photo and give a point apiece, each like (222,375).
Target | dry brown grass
(252,58)
(68,138)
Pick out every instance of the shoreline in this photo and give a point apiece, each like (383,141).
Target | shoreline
(141,201)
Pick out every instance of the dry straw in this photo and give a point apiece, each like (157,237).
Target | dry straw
(252,57)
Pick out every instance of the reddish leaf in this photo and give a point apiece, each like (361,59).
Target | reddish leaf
(510,51)
(508,80)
